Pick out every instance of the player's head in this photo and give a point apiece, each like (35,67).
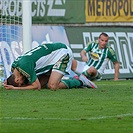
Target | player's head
(103,40)
(11,81)
(19,78)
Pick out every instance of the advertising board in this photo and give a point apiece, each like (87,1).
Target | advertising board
(109,10)
(120,39)
(47,11)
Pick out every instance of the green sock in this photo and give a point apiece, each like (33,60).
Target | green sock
(72,83)
(87,74)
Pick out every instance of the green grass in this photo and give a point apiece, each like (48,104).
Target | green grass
(107,109)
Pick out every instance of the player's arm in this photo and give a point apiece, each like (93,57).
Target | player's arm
(113,58)
(116,66)
(34,86)
(85,51)
(83,55)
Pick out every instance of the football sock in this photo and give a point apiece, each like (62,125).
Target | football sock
(86,74)
(72,83)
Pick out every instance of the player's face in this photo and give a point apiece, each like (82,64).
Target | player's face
(18,77)
(103,40)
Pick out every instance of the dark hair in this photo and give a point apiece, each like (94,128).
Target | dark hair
(11,81)
(104,34)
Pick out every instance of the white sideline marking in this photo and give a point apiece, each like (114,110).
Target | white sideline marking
(66,119)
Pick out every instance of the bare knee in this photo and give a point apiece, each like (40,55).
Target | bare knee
(57,86)
(92,70)
(52,86)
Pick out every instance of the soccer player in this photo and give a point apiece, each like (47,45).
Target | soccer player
(55,58)
(99,54)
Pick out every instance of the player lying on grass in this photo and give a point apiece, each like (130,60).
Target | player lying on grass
(54,57)
(99,55)
(43,79)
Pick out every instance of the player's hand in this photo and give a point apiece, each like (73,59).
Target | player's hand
(84,59)
(8,87)
(5,82)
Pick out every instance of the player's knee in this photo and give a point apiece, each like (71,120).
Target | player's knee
(52,86)
(92,69)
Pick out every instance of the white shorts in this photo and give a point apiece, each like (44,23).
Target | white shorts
(81,67)
(63,65)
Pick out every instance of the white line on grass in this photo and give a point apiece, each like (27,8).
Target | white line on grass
(66,119)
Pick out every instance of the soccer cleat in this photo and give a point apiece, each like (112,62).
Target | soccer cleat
(86,82)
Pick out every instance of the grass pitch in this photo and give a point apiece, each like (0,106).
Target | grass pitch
(107,109)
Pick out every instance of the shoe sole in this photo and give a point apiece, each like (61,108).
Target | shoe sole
(91,84)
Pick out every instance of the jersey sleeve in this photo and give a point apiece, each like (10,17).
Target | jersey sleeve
(112,55)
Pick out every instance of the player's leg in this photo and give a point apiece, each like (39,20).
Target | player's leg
(91,73)
(80,82)
(81,68)
(54,82)
(62,67)
(77,66)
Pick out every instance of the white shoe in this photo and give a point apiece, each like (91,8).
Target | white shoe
(86,82)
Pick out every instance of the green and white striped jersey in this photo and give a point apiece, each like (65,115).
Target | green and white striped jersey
(99,57)
(44,58)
